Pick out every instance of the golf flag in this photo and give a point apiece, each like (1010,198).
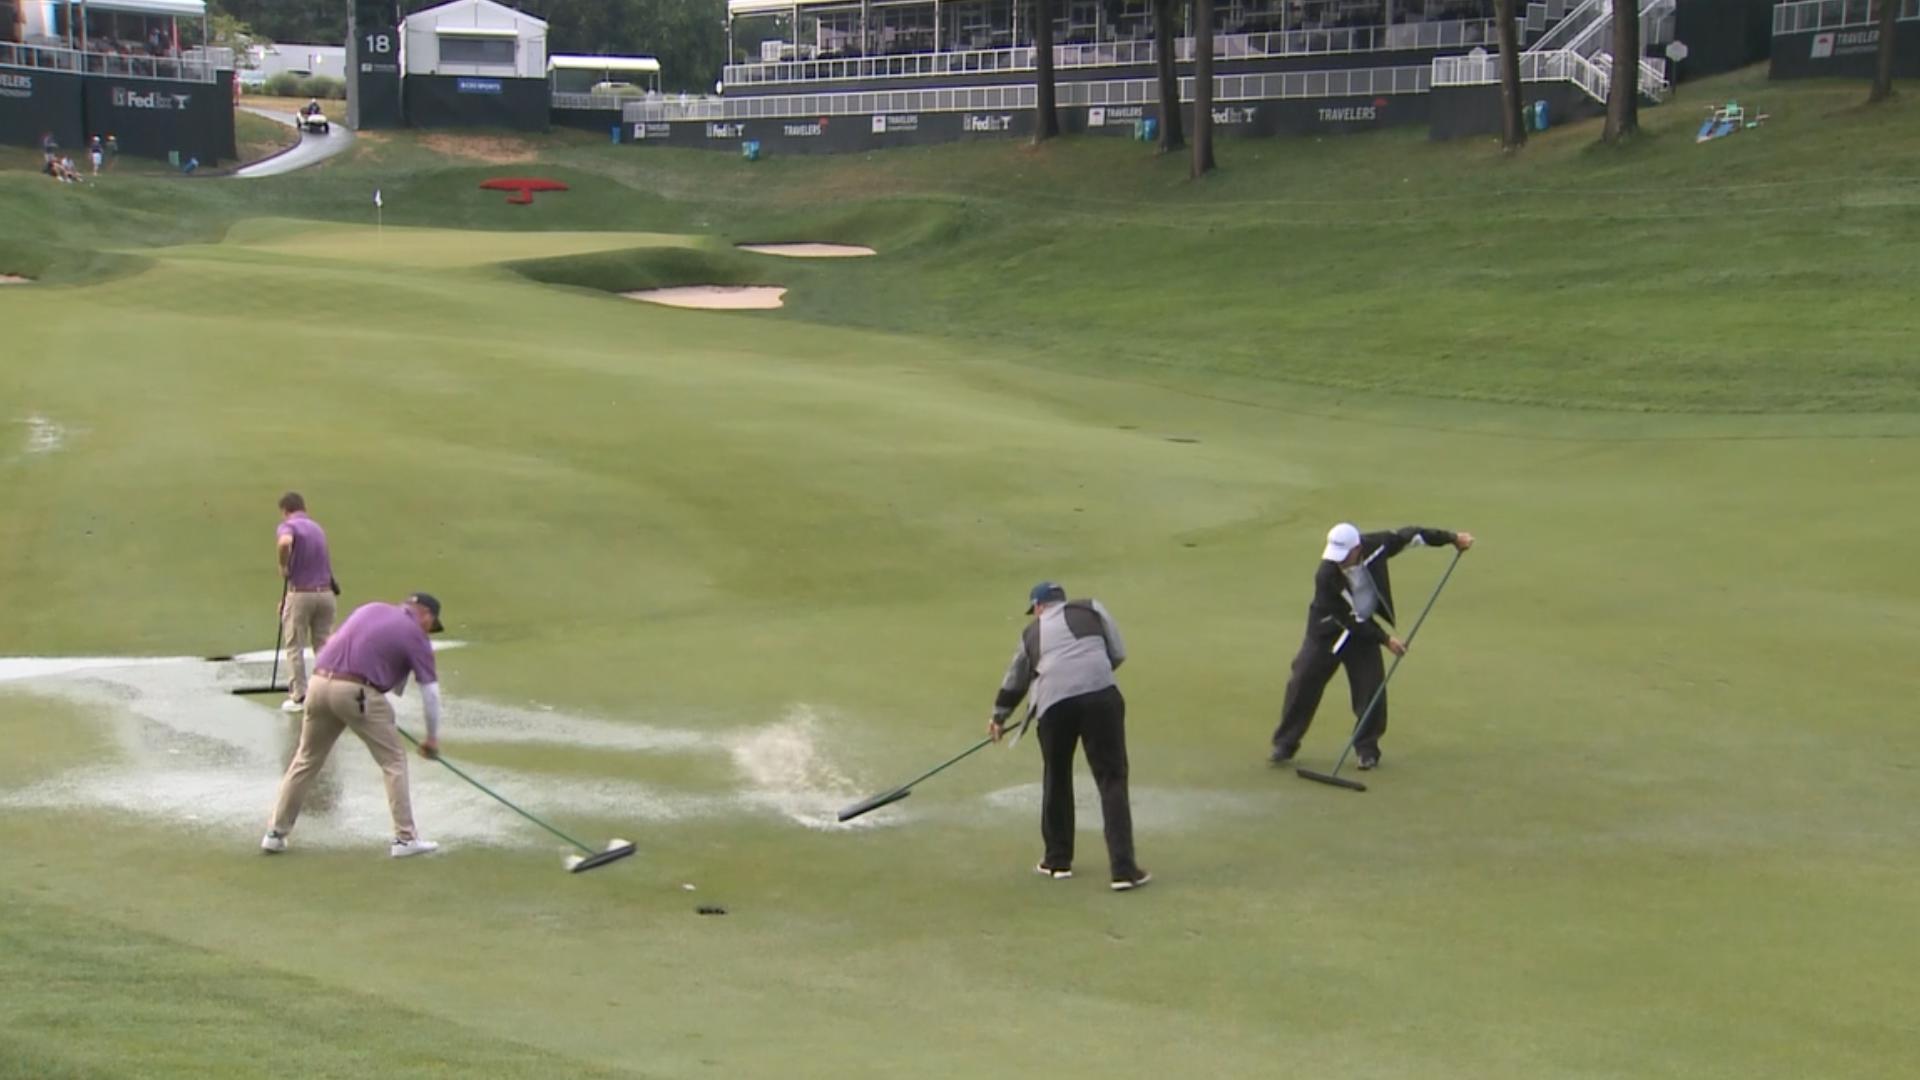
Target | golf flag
(377,204)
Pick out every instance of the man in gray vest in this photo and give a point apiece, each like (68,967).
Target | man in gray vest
(1066,657)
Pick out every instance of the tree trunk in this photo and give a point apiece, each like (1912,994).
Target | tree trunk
(1166,42)
(1623,91)
(1202,88)
(1046,121)
(1883,69)
(1513,132)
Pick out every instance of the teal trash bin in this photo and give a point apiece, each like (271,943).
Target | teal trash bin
(1149,129)
(1540,115)
(615,132)
(750,149)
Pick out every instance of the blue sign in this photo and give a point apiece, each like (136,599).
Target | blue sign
(478,86)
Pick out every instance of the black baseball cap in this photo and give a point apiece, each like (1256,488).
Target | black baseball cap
(426,600)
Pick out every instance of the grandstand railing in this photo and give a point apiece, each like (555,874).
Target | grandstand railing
(1575,23)
(1451,34)
(76,61)
(1263,86)
(566,99)
(1804,15)
(1579,56)
(1594,77)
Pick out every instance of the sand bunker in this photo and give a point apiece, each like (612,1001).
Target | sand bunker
(715,297)
(491,149)
(14,279)
(811,251)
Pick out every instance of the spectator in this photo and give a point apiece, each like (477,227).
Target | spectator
(97,151)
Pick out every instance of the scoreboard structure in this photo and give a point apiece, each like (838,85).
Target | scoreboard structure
(373,65)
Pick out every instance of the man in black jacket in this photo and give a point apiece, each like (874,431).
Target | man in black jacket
(1350,590)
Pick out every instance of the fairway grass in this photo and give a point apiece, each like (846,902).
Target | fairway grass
(1648,802)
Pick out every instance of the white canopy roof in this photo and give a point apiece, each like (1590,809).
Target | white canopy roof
(179,8)
(473,13)
(775,7)
(643,64)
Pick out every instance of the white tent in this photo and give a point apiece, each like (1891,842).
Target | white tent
(475,37)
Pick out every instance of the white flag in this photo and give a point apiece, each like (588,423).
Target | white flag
(377,204)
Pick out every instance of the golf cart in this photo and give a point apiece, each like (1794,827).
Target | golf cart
(311,118)
(617,89)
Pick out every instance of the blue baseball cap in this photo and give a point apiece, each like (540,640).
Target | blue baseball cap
(1044,593)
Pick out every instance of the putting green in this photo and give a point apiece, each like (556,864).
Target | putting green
(1647,808)
(427,248)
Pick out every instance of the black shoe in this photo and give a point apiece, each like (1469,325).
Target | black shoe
(1369,762)
(1128,884)
(1282,755)
(1057,873)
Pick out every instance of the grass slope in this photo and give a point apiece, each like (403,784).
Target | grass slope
(1648,805)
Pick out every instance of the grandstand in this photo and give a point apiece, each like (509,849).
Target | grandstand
(1841,37)
(840,75)
(134,69)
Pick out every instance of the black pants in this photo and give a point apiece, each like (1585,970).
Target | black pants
(1313,668)
(1100,720)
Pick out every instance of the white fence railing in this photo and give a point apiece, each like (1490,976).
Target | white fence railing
(567,99)
(1265,86)
(1576,23)
(1805,15)
(1594,77)
(1460,33)
(1581,56)
(51,58)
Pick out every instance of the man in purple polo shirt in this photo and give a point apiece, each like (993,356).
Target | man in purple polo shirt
(306,617)
(368,658)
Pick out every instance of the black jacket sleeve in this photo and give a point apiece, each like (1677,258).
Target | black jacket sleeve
(1399,540)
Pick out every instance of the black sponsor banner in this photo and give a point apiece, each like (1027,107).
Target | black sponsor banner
(1317,116)
(373,65)
(160,117)
(36,103)
(834,134)
(1852,52)
(1298,116)
(855,134)
(1721,35)
(1465,111)
(599,121)
(440,101)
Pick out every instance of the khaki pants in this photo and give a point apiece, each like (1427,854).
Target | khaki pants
(333,706)
(306,623)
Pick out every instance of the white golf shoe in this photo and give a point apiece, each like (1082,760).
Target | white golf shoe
(291,705)
(403,848)
(273,843)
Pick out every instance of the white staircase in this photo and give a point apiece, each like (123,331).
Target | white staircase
(1576,48)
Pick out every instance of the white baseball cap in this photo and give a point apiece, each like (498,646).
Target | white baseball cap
(1341,540)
